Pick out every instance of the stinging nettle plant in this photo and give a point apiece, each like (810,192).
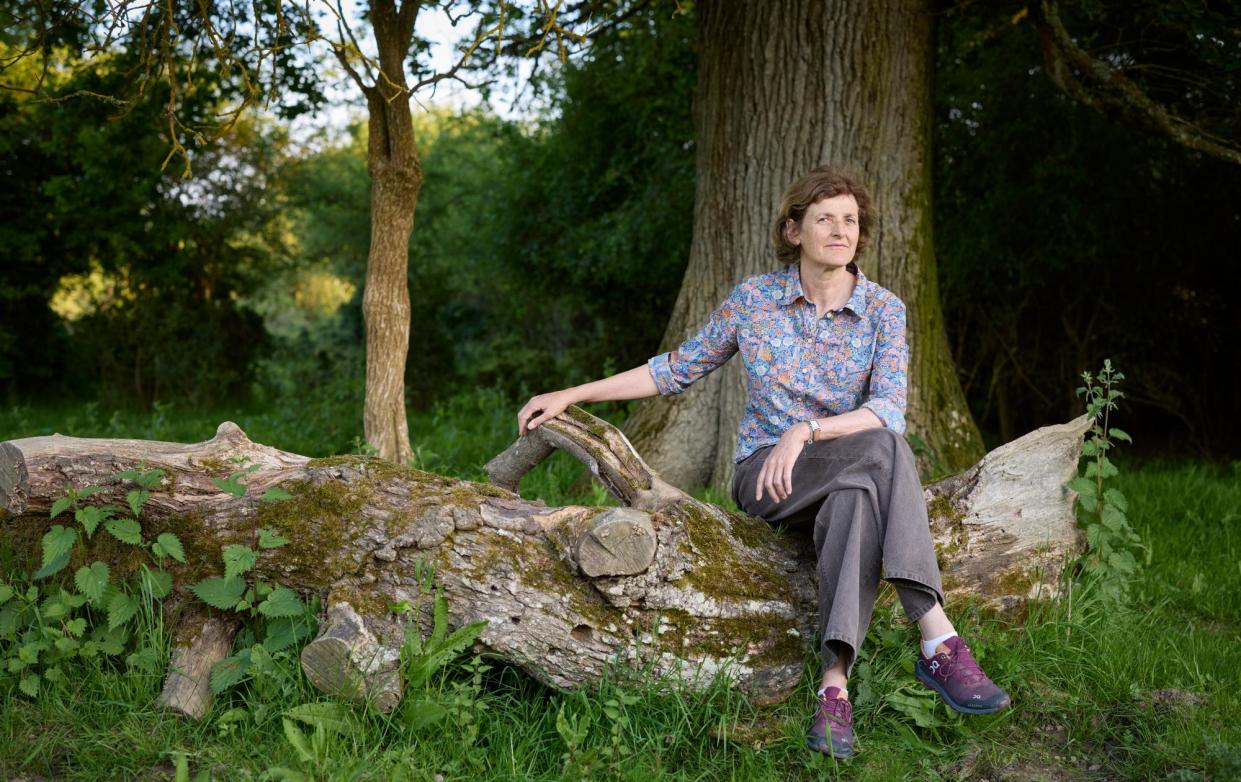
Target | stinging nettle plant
(38,636)
(1111,543)
(282,617)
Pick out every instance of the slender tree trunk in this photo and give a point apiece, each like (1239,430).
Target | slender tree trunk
(396,178)
(785,85)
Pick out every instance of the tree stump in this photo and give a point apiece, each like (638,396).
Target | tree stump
(680,588)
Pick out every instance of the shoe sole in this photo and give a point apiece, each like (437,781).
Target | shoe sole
(829,750)
(929,681)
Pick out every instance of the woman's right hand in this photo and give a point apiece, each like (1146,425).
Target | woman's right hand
(542,407)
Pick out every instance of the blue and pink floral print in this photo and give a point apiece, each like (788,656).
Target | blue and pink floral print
(799,367)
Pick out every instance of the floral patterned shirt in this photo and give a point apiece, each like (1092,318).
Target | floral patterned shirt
(799,367)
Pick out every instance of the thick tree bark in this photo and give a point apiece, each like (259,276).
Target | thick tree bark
(396,177)
(784,86)
(679,587)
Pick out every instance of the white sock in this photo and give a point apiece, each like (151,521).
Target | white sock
(931,644)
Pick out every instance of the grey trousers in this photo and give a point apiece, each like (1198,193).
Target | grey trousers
(862,495)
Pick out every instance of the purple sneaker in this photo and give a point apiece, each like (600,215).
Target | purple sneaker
(955,675)
(832,731)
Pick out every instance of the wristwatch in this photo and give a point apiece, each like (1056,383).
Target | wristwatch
(814,429)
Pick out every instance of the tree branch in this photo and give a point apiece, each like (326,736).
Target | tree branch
(1108,90)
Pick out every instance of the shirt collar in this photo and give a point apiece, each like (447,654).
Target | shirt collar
(793,290)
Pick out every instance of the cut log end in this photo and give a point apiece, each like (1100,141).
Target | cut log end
(348,661)
(620,542)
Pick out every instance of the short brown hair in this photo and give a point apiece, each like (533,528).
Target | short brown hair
(822,182)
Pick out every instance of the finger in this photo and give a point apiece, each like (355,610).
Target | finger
(523,418)
(788,477)
(770,484)
(762,482)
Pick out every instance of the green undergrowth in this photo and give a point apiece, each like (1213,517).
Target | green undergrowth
(1149,689)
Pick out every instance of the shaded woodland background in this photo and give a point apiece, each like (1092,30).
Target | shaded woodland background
(549,251)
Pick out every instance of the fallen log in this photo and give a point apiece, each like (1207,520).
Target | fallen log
(677,587)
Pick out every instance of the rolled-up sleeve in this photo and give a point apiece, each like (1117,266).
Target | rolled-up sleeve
(707,350)
(889,380)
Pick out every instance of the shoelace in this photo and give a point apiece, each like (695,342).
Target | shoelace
(970,672)
(838,710)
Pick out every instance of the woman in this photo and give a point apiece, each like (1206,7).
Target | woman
(820,443)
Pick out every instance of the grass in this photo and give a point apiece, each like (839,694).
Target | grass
(1149,691)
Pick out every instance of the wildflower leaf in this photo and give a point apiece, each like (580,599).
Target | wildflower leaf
(275,494)
(60,506)
(57,543)
(121,608)
(281,602)
(171,545)
(238,559)
(268,538)
(125,530)
(222,593)
(91,580)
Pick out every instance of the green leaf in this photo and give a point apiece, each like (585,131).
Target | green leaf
(222,593)
(1119,434)
(121,608)
(125,530)
(1090,448)
(420,714)
(1114,518)
(128,475)
(171,545)
(150,479)
(284,632)
(1094,535)
(1122,562)
(1082,486)
(75,627)
(146,659)
(30,684)
(916,707)
(1114,497)
(269,538)
(275,494)
(157,582)
(332,717)
(1106,468)
(137,498)
(6,593)
(112,641)
(230,485)
(91,516)
(60,506)
(230,671)
(282,602)
(66,645)
(57,545)
(239,559)
(298,740)
(91,580)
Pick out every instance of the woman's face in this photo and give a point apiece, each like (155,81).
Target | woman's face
(828,232)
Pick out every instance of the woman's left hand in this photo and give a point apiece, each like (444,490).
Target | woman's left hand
(776,477)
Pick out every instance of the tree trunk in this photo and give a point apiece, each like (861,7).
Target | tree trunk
(396,177)
(669,584)
(784,86)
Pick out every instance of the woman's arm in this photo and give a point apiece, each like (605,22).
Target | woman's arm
(776,477)
(636,383)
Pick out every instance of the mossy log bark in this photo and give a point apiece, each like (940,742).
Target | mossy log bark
(681,588)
